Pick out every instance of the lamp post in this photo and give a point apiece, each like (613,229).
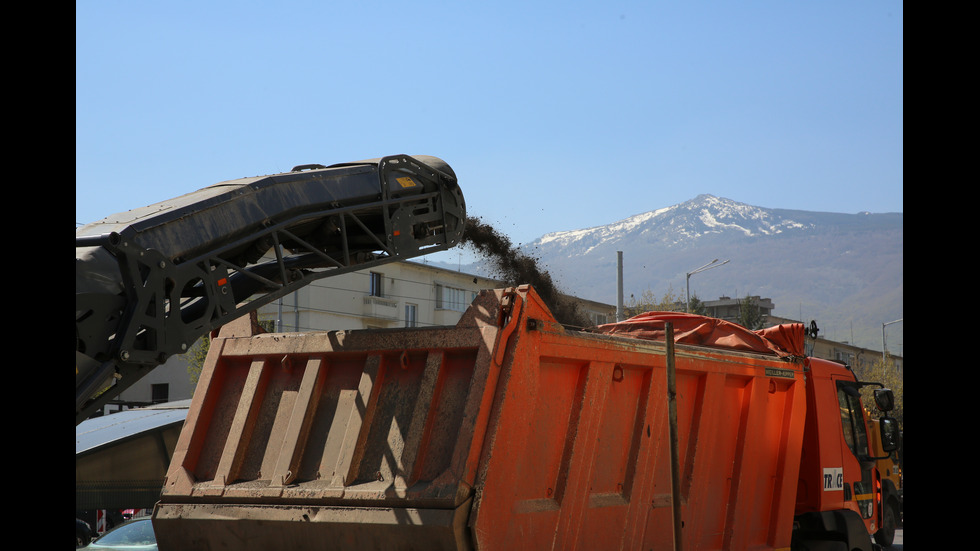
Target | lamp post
(707,266)
(883,339)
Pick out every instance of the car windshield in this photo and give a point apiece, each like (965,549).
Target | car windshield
(138,532)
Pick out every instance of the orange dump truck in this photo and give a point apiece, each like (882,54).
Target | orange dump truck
(508,431)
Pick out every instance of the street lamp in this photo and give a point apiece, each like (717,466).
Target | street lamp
(707,266)
(883,339)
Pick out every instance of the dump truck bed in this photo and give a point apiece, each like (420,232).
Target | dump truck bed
(506,431)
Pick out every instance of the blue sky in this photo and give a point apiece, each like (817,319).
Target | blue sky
(554,115)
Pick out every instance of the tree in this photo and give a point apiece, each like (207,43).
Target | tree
(749,313)
(648,302)
(199,352)
(891,377)
(697,306)
(195,357)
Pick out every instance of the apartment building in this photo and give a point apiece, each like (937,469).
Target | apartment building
(398,294)
(729,309)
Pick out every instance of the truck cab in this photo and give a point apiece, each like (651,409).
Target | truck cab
(840,486)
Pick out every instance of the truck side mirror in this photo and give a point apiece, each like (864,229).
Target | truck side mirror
(890,436)
(884,399)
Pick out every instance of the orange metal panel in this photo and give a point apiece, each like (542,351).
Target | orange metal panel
(504,432)
(580,456)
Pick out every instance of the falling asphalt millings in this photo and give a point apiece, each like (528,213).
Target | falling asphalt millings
(517,268)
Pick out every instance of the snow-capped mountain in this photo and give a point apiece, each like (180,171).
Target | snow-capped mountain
(842,270)
(704,215)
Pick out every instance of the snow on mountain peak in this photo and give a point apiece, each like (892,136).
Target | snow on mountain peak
(705,214)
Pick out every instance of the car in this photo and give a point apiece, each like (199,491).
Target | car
(83,533)
(133,535)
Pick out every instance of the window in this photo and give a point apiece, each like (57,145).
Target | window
(856,436)
(411,315)
(160,393)
(451,298)
(852,419)
(377,284)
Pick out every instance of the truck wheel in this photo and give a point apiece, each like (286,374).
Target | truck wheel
(889,521)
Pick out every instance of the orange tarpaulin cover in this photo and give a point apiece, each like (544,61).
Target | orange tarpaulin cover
(782,340)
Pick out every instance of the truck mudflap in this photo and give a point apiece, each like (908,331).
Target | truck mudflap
(505,431)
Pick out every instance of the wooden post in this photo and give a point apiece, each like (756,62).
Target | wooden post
(675,475)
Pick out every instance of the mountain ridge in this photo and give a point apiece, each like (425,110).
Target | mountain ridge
(842,270)
(710,207)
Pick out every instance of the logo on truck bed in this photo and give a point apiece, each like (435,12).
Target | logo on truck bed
(785,373)
(833,479)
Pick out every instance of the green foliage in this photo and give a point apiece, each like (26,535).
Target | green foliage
(670,301)
(887,374)
(648,301)
(697,306)
(195,357)
(199,352)
(749,314)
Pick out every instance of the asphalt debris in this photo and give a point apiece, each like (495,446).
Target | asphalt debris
(515,267)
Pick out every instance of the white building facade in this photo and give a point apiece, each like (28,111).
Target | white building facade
(399,294)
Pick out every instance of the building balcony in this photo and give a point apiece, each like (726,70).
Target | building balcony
(380,308)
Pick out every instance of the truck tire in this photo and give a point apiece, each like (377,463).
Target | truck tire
(885,536)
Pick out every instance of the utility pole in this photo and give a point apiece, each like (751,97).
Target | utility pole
(619,286)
